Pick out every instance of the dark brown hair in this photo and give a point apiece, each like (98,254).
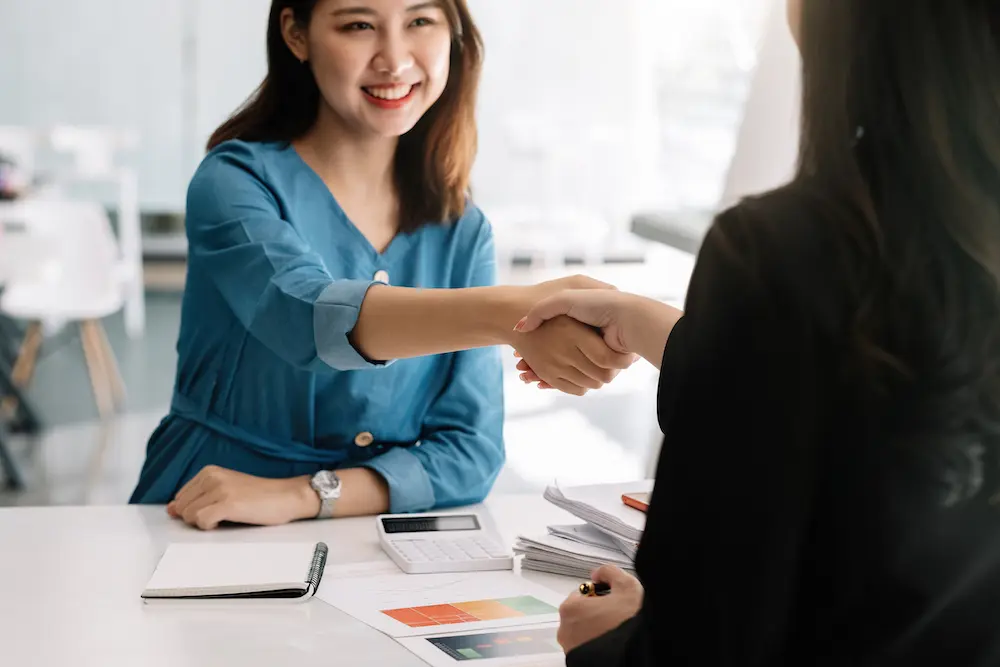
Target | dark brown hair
(434,159)
(900,147)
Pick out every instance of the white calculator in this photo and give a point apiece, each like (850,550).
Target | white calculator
(428,543)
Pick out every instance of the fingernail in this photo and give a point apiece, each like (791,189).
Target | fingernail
(524,377)
(520,324)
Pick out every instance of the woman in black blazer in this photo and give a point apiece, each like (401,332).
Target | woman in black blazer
(829,487)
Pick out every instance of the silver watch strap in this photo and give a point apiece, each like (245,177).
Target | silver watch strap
(326,508)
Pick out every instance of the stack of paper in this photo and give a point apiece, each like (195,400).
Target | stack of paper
(610,535)
(574,551)
(601,506)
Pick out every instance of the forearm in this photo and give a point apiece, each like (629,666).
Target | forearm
(436,321)
(650,323)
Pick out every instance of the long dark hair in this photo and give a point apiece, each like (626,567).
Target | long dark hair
(433,161)
(900,146)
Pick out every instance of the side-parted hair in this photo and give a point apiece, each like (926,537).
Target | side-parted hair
(433,161)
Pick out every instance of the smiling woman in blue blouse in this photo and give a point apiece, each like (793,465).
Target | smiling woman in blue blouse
(330,234)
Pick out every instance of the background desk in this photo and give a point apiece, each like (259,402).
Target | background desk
(70,580)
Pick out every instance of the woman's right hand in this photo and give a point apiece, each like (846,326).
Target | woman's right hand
(629,324)
(570,356)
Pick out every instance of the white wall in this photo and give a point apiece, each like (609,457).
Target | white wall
(768,140)
(100,62)
(231,52)
(174,69)
(572,74)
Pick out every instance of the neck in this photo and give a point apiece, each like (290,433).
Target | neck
(355,162)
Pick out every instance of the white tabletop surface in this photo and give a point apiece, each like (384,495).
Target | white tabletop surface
(70,580)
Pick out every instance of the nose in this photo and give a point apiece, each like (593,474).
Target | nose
(394,56)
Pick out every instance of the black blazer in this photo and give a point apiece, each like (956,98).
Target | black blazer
(794,522)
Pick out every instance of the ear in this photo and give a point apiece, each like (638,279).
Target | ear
(295,37)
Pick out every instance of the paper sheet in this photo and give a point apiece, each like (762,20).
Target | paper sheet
(583,533)
(407,605)
(533,646)
(602,506)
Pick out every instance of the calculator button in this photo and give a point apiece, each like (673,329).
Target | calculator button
(454,551)
(411,552)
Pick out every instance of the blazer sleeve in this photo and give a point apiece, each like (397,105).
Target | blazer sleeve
(740,408)
(275,283)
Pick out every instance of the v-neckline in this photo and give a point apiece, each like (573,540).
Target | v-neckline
(399,243)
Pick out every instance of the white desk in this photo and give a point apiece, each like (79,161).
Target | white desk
(70,580)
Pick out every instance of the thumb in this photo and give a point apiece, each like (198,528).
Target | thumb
(544,310)
(613,576)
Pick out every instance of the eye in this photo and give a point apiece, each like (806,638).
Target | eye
(357,26)
(422,21)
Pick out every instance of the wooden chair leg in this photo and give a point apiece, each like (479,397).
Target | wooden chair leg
(110,365)
(98,376)
(24,367)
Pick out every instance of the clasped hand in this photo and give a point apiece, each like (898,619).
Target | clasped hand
(564,351)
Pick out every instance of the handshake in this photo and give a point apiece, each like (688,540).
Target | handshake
(580,333)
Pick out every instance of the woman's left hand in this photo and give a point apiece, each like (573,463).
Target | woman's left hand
(583,618)
(216,494)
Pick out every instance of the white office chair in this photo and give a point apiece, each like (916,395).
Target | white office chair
(95,151)
(62,266)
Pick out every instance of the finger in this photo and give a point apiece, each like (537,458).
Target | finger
(600,354)
(191,495)
(529,377)
(172,510)
(210,516)
(597,373)
(517,355)
(613,576)
(523,365)
(566,387)
(542,384)
(193,487)
(195,513)
(545,310)
(583,379)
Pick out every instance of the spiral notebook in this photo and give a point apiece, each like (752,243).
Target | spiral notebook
(238,570)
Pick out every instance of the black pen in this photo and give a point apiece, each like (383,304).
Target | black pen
(591,588)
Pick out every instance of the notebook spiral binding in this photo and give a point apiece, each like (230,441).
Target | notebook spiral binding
(317,566)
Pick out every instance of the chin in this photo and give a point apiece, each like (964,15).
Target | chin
(392,130)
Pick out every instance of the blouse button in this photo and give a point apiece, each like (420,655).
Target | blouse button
(382,277)
(364,439)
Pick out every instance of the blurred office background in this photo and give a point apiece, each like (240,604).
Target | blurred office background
(610,130)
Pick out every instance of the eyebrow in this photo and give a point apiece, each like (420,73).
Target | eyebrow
(368,11)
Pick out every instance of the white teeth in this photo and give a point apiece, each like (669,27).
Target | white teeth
(389,92)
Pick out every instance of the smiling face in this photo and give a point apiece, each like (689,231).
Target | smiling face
(379,64)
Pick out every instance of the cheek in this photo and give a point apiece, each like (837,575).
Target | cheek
(336,67)
(435,58)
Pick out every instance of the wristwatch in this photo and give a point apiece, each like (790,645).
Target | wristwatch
(326,484)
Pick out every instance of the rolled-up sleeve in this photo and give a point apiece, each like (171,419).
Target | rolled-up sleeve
(461,449)
(275,284)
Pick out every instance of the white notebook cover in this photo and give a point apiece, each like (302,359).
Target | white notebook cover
(237,569)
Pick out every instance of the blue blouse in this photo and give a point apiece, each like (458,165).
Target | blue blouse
(268,382)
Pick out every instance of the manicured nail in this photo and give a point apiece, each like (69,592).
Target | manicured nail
(520,325)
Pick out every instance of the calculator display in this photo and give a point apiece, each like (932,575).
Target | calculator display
(430,524)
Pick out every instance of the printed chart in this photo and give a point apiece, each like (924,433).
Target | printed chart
(521,607)
(409,605)
(517,646)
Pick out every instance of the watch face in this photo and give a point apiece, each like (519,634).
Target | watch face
(327,484)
